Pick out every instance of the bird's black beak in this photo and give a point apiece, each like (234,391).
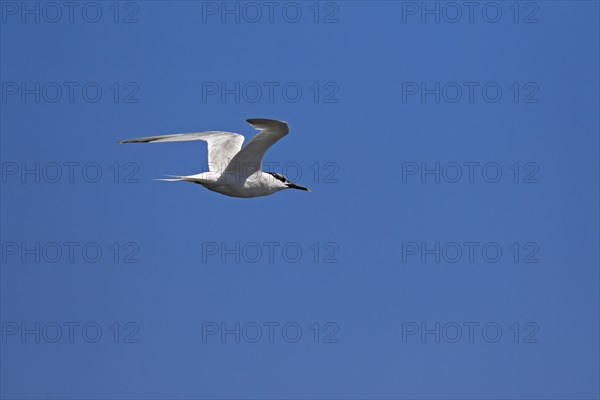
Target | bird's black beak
(294,186)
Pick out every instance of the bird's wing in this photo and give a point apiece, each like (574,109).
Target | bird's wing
(249,159)
(222,146)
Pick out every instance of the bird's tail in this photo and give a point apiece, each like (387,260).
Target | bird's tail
(172,178)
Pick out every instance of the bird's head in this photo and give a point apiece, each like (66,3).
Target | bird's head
(284,183)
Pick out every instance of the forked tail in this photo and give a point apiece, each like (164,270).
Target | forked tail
(172,178)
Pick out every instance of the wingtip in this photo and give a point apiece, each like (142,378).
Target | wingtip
(253,121)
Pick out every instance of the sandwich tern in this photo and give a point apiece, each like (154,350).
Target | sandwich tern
(234,171)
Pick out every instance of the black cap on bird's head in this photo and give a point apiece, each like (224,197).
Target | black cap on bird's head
(287,182)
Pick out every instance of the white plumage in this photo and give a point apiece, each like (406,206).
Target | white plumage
(233,170)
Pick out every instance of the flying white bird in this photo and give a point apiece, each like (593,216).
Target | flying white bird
(234,171)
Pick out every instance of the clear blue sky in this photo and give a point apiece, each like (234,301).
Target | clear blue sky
(388,96)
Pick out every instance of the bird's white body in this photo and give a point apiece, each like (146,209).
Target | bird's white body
(256,185)
(233,170)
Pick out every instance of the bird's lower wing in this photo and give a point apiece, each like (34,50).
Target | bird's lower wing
(222,146)
(249,159)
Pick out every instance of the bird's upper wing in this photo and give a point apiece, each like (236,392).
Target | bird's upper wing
(222,146)
(249,159)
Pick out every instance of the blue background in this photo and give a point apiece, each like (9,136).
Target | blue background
(368,133)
